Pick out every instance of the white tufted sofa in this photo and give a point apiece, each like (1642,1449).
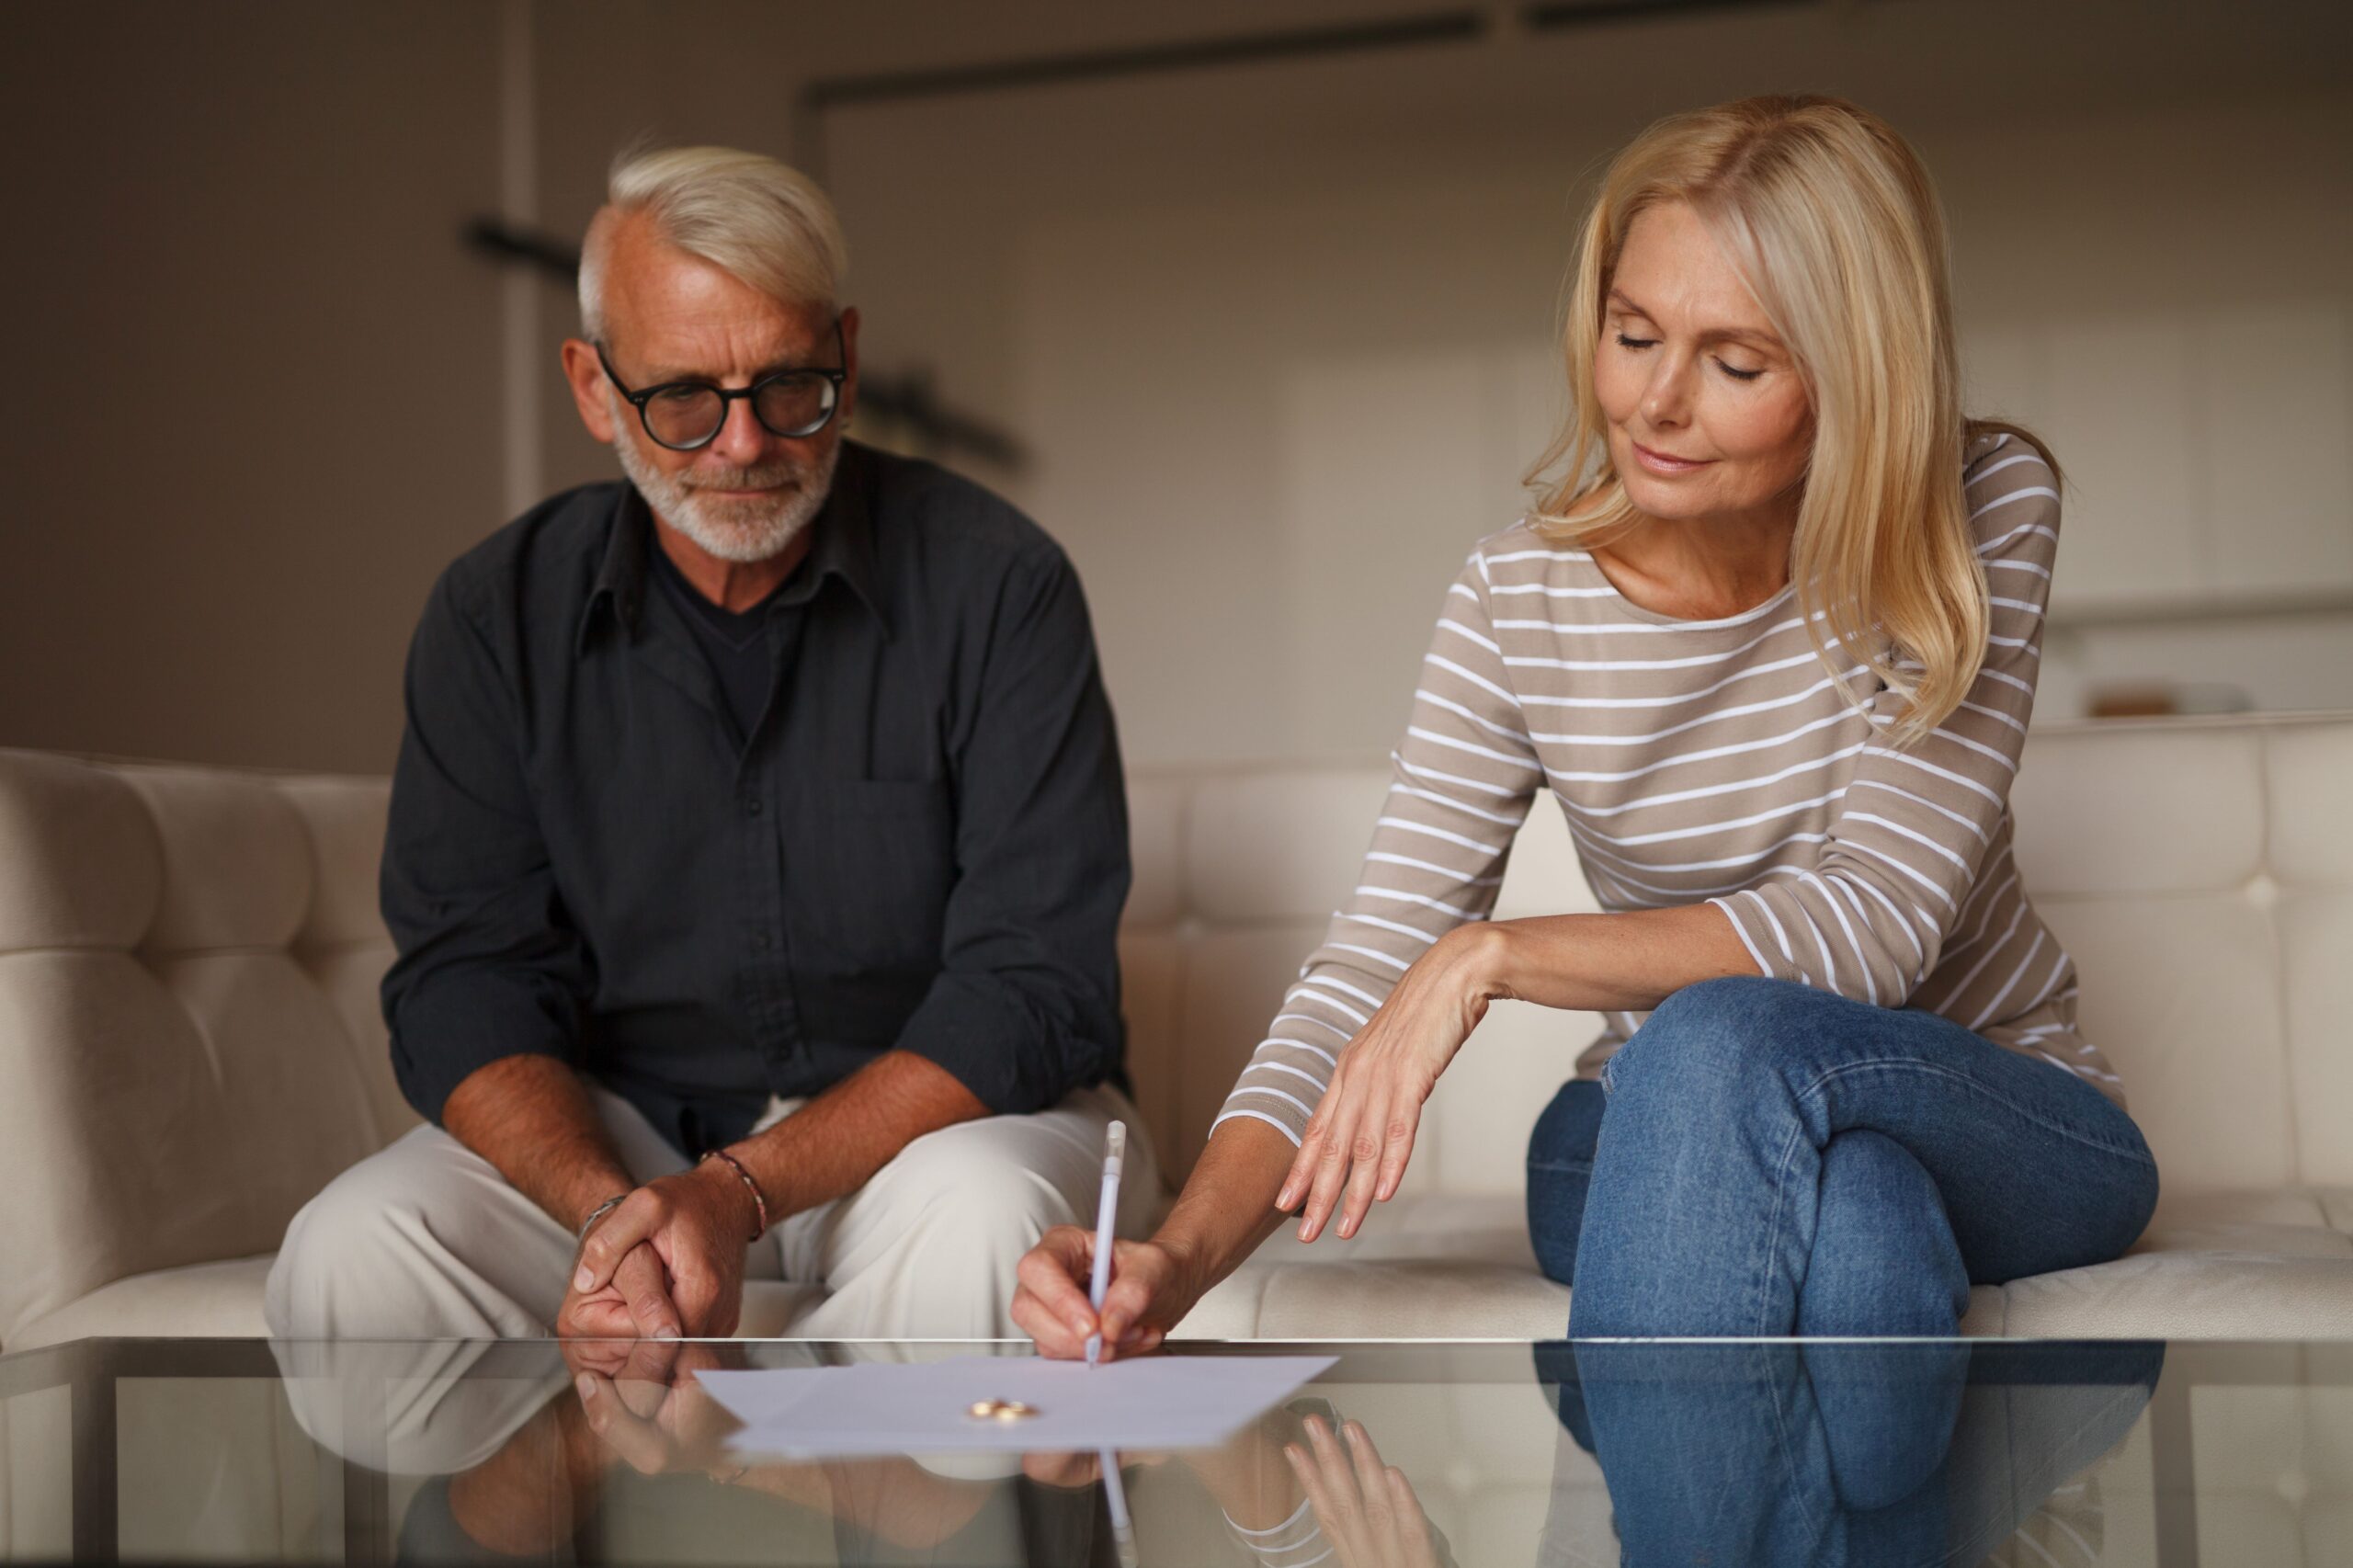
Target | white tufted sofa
(190,1047)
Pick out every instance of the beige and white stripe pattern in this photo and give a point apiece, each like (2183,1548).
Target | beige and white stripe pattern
(1709,761)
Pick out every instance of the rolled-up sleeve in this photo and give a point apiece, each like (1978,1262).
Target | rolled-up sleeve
(1025,1006)
(489,964)
(1870,919)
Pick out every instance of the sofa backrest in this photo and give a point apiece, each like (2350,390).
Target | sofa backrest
(190,1046)
(189,1039)
(2199,870)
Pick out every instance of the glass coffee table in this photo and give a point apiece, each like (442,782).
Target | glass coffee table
(1401,1454)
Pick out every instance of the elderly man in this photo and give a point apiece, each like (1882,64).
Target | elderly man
(756,847)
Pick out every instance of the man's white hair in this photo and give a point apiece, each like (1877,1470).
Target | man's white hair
(750,216)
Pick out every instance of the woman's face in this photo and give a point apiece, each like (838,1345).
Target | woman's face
(1708,416)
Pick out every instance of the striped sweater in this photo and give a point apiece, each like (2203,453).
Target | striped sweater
(1709,761)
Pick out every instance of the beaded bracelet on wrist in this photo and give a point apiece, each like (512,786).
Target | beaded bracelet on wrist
(760,1203)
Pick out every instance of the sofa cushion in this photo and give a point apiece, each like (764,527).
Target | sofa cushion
(178,1081)
(115,1146)
(199,1301)
(2185,1295)
(2249,1266)
(2118,810)
(86,863)
(208,1300)
(2316,942)
(237,864)
(1278,844)
(2198,1040)
(2222,1266)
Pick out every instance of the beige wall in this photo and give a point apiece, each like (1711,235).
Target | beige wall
(257,391)
(1271,472)
(248,407)
(1276,334)
(1281,339)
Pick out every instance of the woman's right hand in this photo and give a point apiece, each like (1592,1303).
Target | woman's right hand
(1150,1291)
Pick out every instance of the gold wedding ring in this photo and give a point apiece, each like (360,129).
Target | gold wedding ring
(1000,1410)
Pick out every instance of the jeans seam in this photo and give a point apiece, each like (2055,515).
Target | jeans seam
(1917,1065)
(1762,1267)
(1787,1446)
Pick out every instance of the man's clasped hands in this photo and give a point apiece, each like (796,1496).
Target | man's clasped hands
(665,1261)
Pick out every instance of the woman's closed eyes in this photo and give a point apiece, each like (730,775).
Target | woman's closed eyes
(1624,341)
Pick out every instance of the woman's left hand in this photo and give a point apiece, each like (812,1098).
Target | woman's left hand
(1361,1137)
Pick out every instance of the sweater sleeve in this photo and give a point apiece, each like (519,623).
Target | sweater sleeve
(1461,782)
(1912,828)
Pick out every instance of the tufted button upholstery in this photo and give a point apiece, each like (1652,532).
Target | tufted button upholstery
(2200,871)
(190,1044)
(188,1037)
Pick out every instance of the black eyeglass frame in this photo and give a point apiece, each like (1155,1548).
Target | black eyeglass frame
(834,380)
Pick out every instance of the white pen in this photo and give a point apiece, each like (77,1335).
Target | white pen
(1115,1149)
(1115,1498)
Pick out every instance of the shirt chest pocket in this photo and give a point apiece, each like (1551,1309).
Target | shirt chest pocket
(869,866)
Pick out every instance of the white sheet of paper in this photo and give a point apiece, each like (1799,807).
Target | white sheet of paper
(1167,1401)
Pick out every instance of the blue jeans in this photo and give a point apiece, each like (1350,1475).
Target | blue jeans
(1769,1159)
(1831,1455)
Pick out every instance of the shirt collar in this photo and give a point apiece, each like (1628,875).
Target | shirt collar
(842,545)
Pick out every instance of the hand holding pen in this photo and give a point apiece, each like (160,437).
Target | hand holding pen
(1146,1288)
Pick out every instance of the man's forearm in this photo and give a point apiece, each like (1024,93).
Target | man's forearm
(833,1145)
(531,1117)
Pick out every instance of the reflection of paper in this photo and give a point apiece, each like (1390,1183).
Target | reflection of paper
(754,1398)
(1170,1402)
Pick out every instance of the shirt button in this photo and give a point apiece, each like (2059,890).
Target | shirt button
(752,807)
(760,941)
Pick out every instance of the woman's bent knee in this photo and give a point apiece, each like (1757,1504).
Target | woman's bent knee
(1725,1028)
(1884,1261)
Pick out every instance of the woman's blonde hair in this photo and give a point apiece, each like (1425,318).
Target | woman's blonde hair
(1831,221)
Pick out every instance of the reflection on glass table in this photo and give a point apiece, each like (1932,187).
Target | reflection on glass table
(1401,1455)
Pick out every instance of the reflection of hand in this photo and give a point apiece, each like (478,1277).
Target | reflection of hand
(650,1413)
(695,1224)
(1363,1132)
(1150,1291)
(1365,1510)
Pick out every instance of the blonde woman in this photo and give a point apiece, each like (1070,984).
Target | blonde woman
(1771,642)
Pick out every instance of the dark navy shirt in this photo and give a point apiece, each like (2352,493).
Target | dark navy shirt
(920,843)
(734,642)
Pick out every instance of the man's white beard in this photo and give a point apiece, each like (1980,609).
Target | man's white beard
(739,531)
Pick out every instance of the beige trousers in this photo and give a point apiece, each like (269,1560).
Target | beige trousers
(427,1240)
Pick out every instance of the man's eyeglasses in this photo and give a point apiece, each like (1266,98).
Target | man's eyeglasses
(684,415)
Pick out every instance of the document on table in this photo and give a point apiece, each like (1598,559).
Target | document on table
(871,1408)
